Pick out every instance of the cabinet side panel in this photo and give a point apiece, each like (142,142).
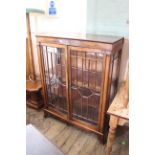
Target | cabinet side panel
(115,69)
(105,92)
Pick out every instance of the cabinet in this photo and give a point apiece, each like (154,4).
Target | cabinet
(79,77)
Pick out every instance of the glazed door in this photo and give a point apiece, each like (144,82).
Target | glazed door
(54,68)
(85,84)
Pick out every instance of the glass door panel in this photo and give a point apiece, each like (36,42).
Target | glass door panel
(86,71)
(55,76)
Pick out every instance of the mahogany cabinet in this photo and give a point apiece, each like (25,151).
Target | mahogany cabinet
(79,77)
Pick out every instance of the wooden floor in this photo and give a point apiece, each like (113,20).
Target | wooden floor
(73,141)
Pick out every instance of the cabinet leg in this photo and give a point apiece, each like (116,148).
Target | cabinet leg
(45,114)
(100,138)
(111,134)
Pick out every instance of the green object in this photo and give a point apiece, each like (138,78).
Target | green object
(33,10)
(108,17)
(123,142)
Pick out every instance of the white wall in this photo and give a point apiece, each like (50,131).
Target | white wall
(71,17)
(39,4)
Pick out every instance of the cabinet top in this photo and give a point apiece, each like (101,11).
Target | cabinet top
(87,37)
